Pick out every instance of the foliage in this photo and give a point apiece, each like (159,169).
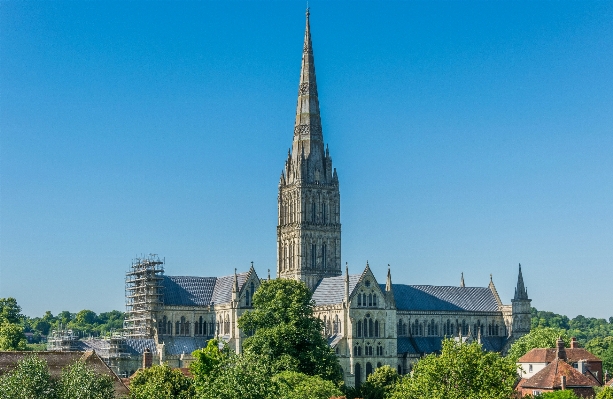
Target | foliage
(581,327)
(12,337)
(605,393)
(10,312)
(80,382)
(161,382)
(246,376)
(380,384)
(540,337)
(30,379)
(460,371)
(295,385)
(566,394)
(603,348)
(207,360)
(85,322)
(283,324)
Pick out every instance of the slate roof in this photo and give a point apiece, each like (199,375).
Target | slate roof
(331,290)
(334,339)
(443,298)
(493,344)
(548,355)
(131,346)
(404,345)
(549,377)
(199,291)
(179,345)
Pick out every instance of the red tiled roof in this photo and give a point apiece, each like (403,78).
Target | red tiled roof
(548,355)
(549,377)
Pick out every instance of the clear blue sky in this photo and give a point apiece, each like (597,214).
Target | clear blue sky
(468,137)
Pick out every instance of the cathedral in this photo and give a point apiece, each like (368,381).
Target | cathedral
(368,323)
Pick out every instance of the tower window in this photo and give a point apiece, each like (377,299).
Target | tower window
(323,256)
(313,255)
(313,216)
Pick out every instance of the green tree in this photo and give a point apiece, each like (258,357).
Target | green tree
(207,360)
(161,382)
(283,324)
(78,381)
(12,337)
(540,337)
(605,393)
(245,376)
(10,312)
(460,371)
(30,379)
(603,348)
(380,384)
(295,385)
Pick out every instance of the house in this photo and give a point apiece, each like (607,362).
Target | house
(559,373)
(537,359)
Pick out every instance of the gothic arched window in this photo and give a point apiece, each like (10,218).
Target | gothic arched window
(374,300)
(369,299)
(177,326)
(368,369)
(376,328)
(359,329)
(359,300)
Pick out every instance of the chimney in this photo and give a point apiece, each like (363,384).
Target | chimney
(573,343)
(147,358)
(582,366)
(561,351)
(563,382)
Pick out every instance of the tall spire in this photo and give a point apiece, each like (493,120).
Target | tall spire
(462,280)
(307,129)
(388,282)
(520,291)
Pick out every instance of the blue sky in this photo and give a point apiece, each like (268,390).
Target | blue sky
(468,137)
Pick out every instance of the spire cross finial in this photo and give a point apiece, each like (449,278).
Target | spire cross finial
(252,264)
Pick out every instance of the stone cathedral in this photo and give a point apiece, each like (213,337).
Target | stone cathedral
(368,322)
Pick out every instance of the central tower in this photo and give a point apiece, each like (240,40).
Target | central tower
(309,228)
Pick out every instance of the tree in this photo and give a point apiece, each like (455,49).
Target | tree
(245,376)
(161,382)
(460,371)
(380,384)
(605,393)
(12,337)
(283,324)
(603,348)
(80,382)
(207,360)
(10,312)
(295,385)
(30,379)
(541,337)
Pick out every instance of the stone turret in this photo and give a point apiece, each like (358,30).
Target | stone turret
(521,315)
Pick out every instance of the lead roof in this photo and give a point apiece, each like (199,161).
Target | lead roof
(199,291)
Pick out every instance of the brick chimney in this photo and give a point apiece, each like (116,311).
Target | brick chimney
(147,358)
(563,382)
(560,351)
(573,343)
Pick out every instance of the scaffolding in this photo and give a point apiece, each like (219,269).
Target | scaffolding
(143,296)
(62,340)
